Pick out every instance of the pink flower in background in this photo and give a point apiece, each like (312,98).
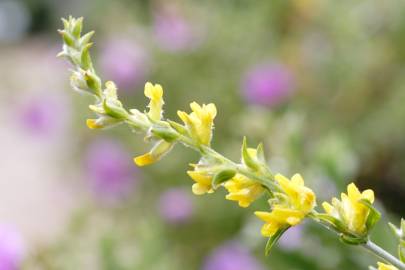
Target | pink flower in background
(291,239)
(110,170)
(172,31)
(125,63)
(175,206)
(12,248)
(268,84)
(231,256)
(43,115)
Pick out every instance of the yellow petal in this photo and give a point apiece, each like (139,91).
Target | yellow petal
(199,189)
(297,179)
(154,92)
(200,177)
(212,109)
(353,192)
(184,117)
(368,195)
(144,160)
(269,229)
(265,216)
(383,266)
(92,124)
(195,107)
(328,208)
(285,215)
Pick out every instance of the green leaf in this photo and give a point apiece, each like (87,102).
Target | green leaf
(77,29)
(247,159)
(67,38)
(352,240)
(114,109)
(161,148)
(85,57)
(260,153)
(396,231)
(338,224)
(93,82)
(179,128)
(166,133)
(401,253)
(272,240)
(222,176)
(374,215)
(86,38)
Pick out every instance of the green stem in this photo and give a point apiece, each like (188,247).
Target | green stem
(265,178)
(382,254)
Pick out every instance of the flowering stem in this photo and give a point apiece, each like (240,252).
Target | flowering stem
(111,111)
(381,253)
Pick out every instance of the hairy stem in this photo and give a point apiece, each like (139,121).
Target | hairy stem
(383,254)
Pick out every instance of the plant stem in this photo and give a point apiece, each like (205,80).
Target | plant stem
(382,254)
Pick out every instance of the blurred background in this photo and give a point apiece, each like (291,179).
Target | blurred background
(321,83)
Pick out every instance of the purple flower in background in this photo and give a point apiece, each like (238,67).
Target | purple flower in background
(291,239)
(231,256)
(42,115)
(125,63)
(175,206)
(172,31)
(268,84)
(110,170)
(12,248)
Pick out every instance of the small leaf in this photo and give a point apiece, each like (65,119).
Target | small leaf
(352,240)
(93,82)
(67,38)
(394,229)
(166,133)
(222,176)
(179,128)
(247,158)
(374,215)
(161,148)
(260,153)
(272,240)
(85,57)
(77,29)
(86,38)
(401,253)
(65,23)
(339,225)
(114,109)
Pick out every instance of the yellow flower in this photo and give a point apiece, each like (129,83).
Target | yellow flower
(279,218)
(203,181)
(200,122)
(243,190)
(301,197)
(297,203)
(155,94)
(350,210)
(160,149)
(383,266)
(92,124)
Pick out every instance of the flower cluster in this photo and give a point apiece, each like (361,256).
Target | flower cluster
(290,207)
(290,200)
(353,215)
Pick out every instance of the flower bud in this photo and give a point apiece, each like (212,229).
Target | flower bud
(160,149)
(101,122)
(354,211)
